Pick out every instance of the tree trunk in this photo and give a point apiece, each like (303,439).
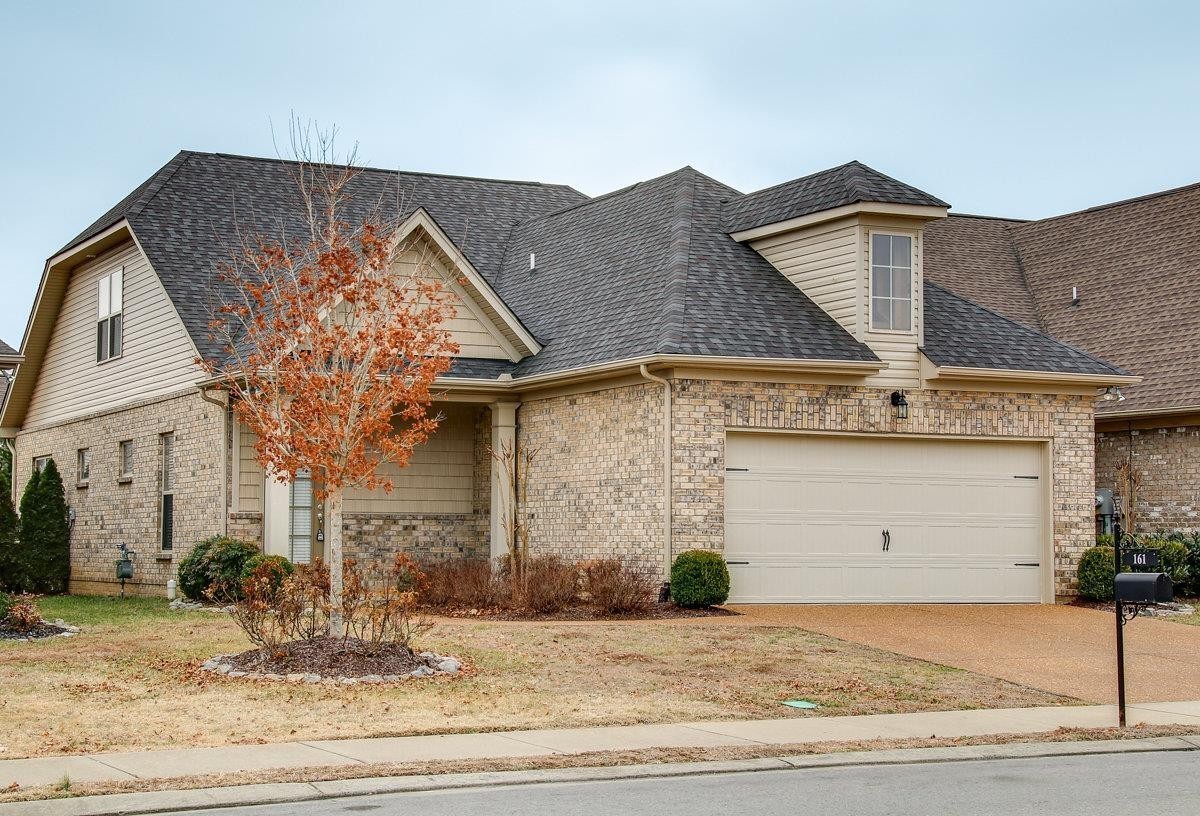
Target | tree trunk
(334,531)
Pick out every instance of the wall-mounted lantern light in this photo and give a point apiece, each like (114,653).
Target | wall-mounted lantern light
(1112,394)
(900,404)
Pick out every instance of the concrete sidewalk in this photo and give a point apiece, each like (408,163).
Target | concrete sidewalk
(796,730)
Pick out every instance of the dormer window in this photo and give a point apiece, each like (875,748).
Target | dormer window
(891,282)
(108,320)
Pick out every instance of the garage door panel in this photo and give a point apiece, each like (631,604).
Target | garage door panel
(808,514)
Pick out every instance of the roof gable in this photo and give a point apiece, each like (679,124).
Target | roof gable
(849,183)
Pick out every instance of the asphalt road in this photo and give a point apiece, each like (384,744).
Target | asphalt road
(1112,785)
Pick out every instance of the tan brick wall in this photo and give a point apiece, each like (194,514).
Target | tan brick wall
(597,478)
(595,486)
(1168,460)
(108,512)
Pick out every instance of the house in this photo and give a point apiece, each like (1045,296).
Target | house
(777,375)
(1119,281)
(9,358)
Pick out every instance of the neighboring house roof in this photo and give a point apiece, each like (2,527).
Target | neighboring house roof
(1136,265)
(850,183)
(974,256)
(961,333)
(8,351)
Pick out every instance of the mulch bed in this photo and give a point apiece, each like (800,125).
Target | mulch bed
(330,657)
(43,630)
(581,612)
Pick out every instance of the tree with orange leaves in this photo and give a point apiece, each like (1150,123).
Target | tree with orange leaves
(330,348)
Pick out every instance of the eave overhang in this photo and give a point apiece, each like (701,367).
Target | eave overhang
(916,211)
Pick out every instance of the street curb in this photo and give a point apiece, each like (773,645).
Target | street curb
(130,804)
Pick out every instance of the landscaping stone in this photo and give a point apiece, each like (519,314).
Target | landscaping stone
(421,671)
(312,678)
(449,666)
(433,664)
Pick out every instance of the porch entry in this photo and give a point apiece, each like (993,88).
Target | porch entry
(295,520)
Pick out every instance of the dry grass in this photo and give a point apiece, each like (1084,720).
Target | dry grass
(597,759)
(129,681)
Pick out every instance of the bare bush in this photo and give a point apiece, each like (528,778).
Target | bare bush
(464,583)
(546,584)
(618,589)
(23,614)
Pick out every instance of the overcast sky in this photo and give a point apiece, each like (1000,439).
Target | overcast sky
(1014,108)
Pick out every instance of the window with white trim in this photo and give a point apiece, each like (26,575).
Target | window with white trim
(125,459)
(83,461)
(891,282)
(108,315)
(40,463)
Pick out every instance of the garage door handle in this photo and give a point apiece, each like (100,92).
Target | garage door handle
(1026,564)
(887,540)
(738,563)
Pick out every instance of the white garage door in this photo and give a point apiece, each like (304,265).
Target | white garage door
(848,519)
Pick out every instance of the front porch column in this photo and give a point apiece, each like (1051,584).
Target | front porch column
(504,441)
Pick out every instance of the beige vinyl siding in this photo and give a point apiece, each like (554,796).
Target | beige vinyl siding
(250,478)
(900,350)
(157,355)
(471,329)
(438,478)
(823,262)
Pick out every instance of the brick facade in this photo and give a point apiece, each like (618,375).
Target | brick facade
(596,486)
(1168,459)
(595,482)
(108,511)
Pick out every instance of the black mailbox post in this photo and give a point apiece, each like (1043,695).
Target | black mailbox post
(1132,592)
(1144,588)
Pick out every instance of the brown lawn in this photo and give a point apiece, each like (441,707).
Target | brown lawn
(129,681)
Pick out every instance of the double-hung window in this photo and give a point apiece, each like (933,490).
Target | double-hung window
(891,282)
(108,315)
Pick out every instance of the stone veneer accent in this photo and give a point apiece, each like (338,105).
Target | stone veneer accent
(1168,459)
(596,487)
(108,512)
(595,482)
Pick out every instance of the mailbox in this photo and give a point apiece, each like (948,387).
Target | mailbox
(1144,588)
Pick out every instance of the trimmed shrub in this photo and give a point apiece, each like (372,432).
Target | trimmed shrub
(1104,540)
(43,559)
(9,536)
(213,569)
(1173,559)
(699,578)
(617,589)
(277,568)
(1097,573)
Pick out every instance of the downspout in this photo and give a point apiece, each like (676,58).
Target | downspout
(667,453)
(225,455)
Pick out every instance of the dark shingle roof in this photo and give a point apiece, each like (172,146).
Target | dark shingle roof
(975,257)
(187,216)
(649,270)
(848,184)
(1136,265)
(6,350)
(642,271)
(961,333)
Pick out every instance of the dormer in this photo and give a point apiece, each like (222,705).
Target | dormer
(851,239)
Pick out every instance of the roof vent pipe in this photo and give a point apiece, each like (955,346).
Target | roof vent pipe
(532,261)
(1074,295)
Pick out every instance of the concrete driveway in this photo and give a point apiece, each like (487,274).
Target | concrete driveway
(1062,649)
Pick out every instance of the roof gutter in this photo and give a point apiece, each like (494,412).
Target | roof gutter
(1068,378)
(667,456)
(1147,412)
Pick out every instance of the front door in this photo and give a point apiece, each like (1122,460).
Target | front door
(306,516)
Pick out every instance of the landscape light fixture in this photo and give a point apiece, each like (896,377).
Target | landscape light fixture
(900,404)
